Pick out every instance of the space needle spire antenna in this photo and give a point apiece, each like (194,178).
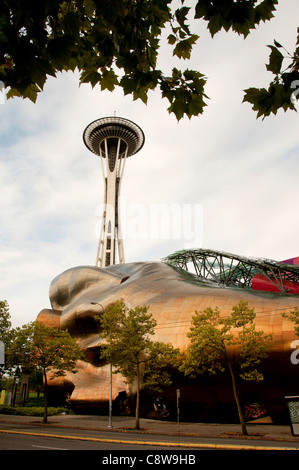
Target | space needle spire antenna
(114,139)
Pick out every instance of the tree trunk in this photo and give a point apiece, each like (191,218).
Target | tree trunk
(45,418)
(241,417)
(137,423)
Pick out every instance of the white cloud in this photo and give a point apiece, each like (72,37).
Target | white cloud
(241,170)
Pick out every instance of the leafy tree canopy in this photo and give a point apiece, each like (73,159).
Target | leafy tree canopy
(5,323)
(130,344)
(283,90)
(118,46)
(213,336)
(37,347)
(130,347)
(293,316)
(231,343)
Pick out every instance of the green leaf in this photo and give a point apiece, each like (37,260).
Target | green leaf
(241,16)
(265,10)
(13,92)
(31,92)
(183,48)
(277,44)
(128,85)
(215,24)
(60,50)
(171,39)
(90,7)
(276,59)
(91,77)
(196,106)
(109,80)
(259,99)
(140,94)
(178,108)
(39,69)
(267,102)
(181,16)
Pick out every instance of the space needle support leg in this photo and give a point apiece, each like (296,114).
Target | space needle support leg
(99,256)
(121,168)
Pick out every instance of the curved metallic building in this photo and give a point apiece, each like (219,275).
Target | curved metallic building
(173,295)
(113,139)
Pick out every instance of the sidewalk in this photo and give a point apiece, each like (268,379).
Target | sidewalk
(149,426)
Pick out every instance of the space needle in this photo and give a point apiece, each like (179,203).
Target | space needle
(113,139)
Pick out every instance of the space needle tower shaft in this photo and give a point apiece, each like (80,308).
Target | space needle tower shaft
(114,139)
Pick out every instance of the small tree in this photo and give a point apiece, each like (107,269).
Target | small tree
(36,346)
(5,323)
(212,337)
(5,339)
(293,316)
(131,350)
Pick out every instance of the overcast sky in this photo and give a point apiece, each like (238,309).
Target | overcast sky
(228,180)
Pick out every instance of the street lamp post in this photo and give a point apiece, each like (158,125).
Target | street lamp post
(110,379)
(110,397)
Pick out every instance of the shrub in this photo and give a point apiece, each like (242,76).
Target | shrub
(32,410)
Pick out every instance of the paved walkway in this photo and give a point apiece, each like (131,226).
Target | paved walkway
(261,431)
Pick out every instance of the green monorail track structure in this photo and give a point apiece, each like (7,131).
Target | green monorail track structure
(229,270)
